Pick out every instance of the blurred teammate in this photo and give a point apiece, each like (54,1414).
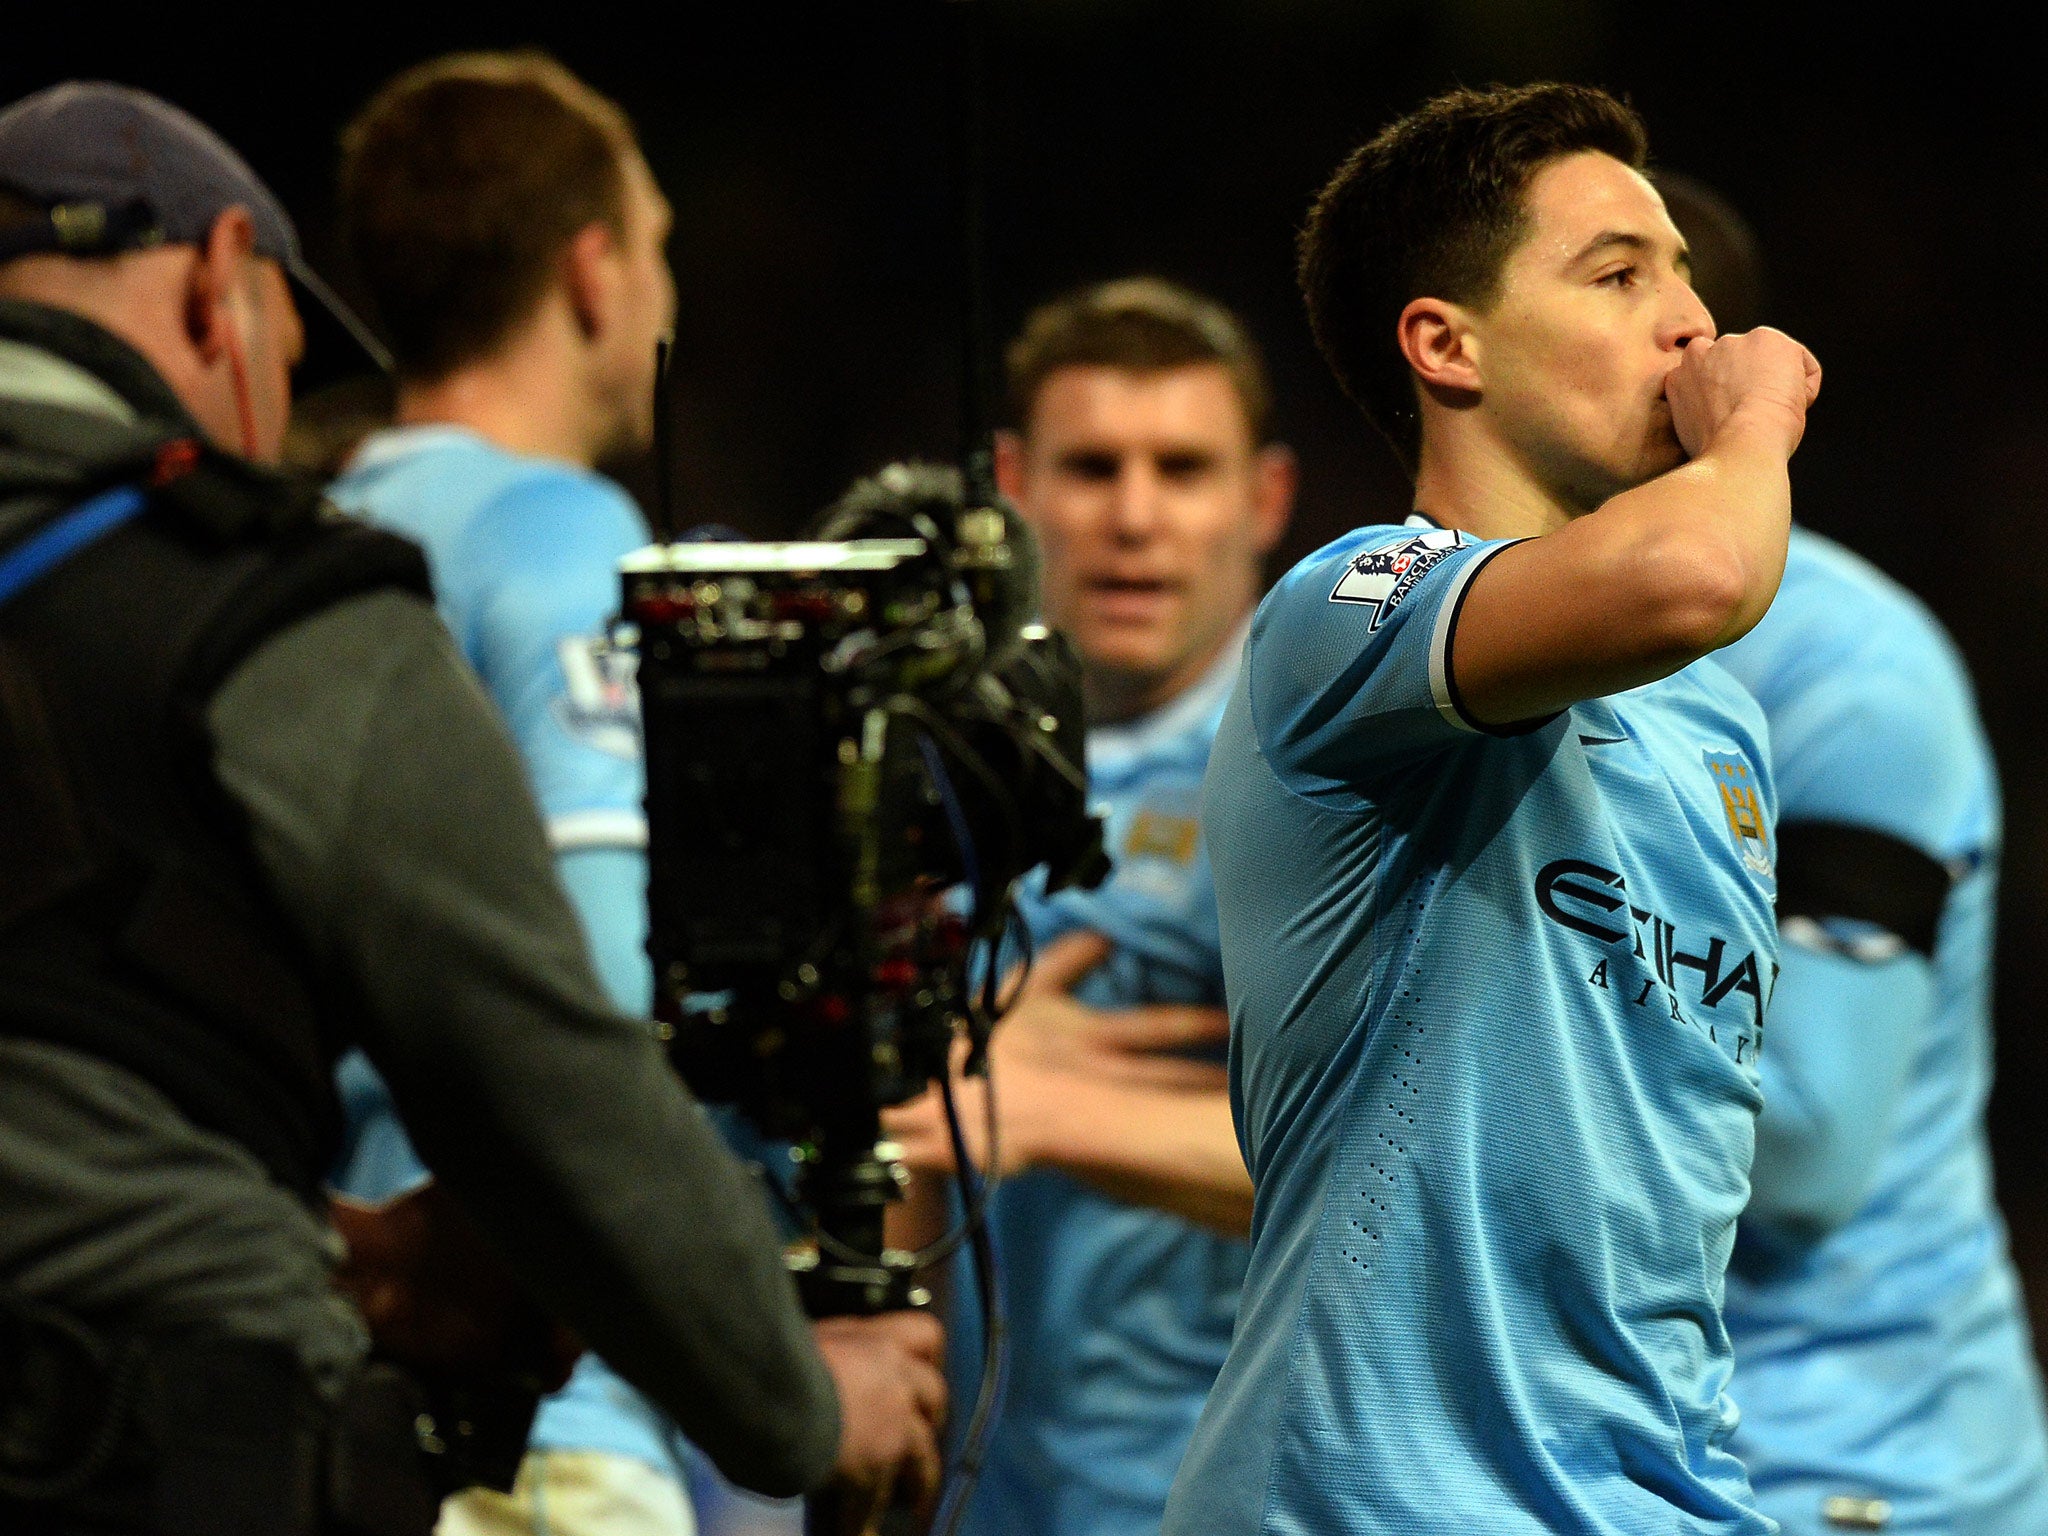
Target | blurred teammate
(1493,863)
(1883,1364)
(512,238)
(1142,460)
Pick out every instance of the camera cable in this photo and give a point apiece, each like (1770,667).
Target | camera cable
(995,1354)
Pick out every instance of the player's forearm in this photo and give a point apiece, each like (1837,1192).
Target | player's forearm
(1708,539)
(922,1216)
(1835,1065)
(919,1219)
(1656,578)
(1173,1151)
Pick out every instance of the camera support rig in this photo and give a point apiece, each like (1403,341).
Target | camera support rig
(828,753)
(837,735)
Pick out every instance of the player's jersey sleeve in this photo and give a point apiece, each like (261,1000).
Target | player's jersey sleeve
(608,889)
(1349,659)
(551,546)
(1884,798)
(1846,1024)
(1888,748)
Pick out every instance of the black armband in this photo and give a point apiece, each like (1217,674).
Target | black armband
(1831,869)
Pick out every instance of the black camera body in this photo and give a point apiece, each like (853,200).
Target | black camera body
(838,734)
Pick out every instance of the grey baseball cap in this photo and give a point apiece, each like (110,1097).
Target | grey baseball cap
(116,169)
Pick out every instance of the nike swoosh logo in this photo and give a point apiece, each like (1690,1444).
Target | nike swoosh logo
(1601,741)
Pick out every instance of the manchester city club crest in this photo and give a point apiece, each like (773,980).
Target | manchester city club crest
(1736,781)
(1380,578)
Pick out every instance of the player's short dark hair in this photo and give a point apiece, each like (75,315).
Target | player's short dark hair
(1727,263)
(1139,325)
(1432,207)
(462,181)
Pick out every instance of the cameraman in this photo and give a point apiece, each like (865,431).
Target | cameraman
(256,810)
(1143,462)
(512,239)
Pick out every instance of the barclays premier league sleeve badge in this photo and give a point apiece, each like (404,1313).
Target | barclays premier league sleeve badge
(1380,578)
(601,705)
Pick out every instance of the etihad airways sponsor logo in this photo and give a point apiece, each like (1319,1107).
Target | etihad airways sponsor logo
(1592,900)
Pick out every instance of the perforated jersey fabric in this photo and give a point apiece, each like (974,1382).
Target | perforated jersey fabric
(1881,1342)
(1496,1002)
(1119,1316)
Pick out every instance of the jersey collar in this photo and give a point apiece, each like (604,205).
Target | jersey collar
(394,443)
(1420,519)
(1112,748)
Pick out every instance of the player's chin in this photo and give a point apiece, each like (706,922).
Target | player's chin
(1125,653)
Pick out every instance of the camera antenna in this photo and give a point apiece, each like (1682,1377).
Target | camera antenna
(967,69)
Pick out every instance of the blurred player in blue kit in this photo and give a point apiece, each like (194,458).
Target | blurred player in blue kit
(1142,459)
(1494,862)
(512,237)
(1883,1364)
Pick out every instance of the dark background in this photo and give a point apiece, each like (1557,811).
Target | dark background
(1896,178)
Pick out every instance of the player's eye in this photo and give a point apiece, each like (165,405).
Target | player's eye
(1091,466)
(1621,277)
(1184,466)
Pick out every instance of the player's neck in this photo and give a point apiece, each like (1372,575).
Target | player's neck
(1118,697)
(528,397)
(1466,478)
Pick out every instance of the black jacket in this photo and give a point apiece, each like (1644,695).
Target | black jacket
(345,800)
(134,924)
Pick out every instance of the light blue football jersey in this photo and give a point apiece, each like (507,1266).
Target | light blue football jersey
(525,557)
(1119,1316)
(1496,1002)
(1881,1342)
(524,554)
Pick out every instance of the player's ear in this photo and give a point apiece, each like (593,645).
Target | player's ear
(590,274)
(1441,345)
(1278,474)
(1010,464)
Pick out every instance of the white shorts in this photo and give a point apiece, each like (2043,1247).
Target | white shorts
(574,1493)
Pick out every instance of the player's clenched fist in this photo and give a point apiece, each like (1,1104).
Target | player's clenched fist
(1762,376)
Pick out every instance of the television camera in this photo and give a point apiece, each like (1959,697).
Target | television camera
(856,746)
